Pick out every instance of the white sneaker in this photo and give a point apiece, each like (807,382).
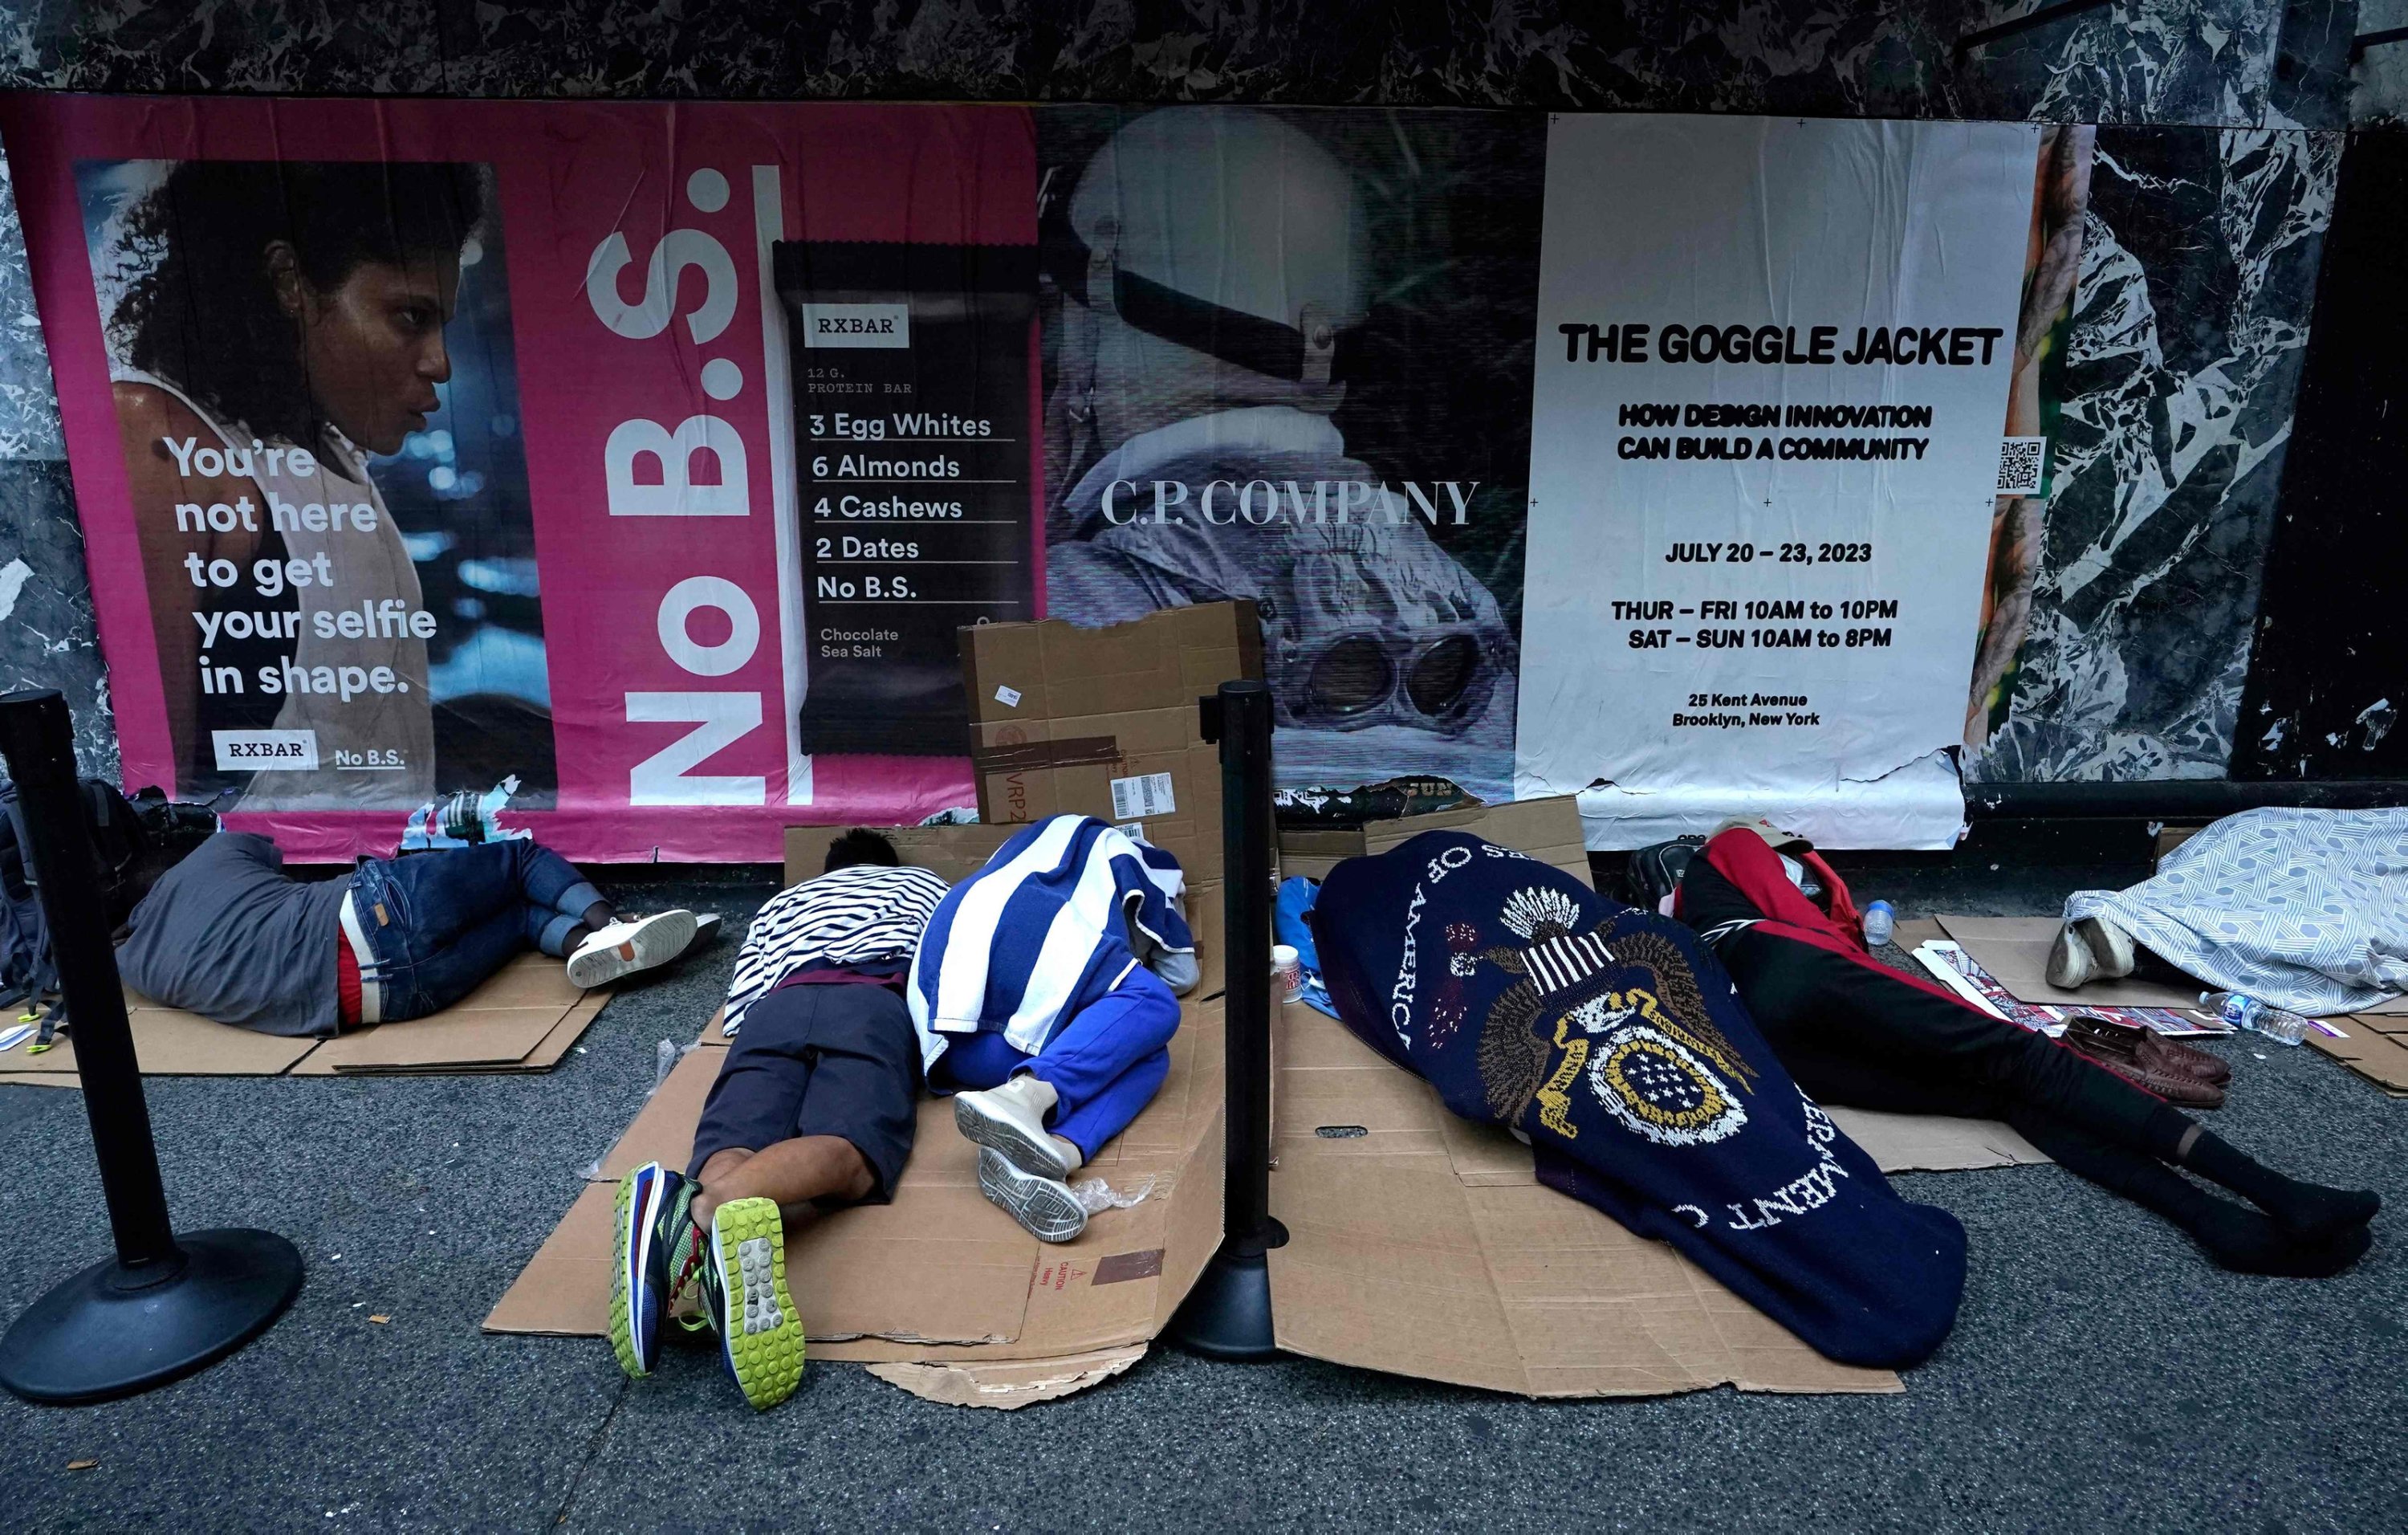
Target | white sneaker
(2089,950)
(1012,1119)
(1044,1207)
(629,945)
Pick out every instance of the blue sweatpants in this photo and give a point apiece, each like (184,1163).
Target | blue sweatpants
(1104,1065)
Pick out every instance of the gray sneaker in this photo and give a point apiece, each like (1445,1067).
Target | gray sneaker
(1044,1207)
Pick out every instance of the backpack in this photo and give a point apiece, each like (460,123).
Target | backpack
(1655,872)
(123,833)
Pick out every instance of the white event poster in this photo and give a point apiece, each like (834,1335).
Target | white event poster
(1773,367)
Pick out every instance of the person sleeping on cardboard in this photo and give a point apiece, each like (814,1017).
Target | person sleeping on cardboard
(227,934)
(1023,982)
(1612,1042)
(814,1108)
(1045,993)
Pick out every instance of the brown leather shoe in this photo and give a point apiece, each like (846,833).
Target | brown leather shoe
(2124,1049)
(2152,1050)
(2182,1060)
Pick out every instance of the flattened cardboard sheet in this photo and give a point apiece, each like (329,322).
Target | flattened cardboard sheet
(663,1129)
(518,1013)
(1548,829)
(525,1017)
(939,1277)
(1425,1246)
(566,1288)
(169,1043)
(1930,1143)
(1910,933)
(2015,950)
(1009,1383)
(2372,1050)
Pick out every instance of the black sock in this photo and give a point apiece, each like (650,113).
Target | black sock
(598,916)
(571,938)
(2247,1243)
(2234,1236)
(2309,1211)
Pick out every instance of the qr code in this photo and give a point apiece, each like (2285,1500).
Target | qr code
(2020,465)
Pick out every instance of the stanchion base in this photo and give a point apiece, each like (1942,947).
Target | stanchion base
(104,1333)
(1227,1315)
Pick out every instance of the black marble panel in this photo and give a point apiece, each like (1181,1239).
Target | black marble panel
(2328,676)
(47,635)
(2190,314)
(2136,61)
(29,403)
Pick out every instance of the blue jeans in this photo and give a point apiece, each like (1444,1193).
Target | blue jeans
(1104,1065)
(442,922)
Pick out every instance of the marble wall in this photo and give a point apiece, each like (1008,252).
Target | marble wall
(2378,79)
(2211,185)
(2191,316)
(47,635)
(2201,62)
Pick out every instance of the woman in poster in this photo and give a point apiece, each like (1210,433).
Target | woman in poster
(278,324)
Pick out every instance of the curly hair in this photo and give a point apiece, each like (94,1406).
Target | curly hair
(201,310)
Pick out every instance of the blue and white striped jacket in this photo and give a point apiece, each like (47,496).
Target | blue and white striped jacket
(1055,920)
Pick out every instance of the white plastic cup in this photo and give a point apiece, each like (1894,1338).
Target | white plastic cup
(1289,967)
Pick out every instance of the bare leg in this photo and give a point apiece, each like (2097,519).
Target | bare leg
(795,1173)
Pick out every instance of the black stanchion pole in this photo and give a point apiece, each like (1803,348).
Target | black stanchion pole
(164,1306)
(1228,1313)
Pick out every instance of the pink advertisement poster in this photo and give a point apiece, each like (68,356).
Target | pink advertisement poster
(650,454)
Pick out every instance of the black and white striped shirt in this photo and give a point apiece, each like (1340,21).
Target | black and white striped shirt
(849,916)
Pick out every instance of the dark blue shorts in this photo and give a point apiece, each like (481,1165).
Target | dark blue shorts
(838,1060)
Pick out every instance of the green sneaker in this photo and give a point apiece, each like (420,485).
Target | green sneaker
(744,1295)
(658,1251)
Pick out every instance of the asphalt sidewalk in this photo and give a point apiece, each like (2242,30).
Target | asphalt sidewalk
(2101,1373)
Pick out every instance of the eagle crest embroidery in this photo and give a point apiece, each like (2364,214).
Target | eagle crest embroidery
(1561,974)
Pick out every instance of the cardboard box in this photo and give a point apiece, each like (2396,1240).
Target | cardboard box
(1548,829)
(1103,721)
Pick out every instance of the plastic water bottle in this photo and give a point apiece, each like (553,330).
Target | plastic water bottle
(2243,1011)
(1879,922)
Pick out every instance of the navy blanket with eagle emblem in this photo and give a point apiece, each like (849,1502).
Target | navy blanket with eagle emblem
(1613,1041)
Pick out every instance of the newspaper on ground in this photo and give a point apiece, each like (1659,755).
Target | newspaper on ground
(1961,973)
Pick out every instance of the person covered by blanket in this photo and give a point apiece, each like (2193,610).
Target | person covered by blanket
(814,1108)
(1045,994)
(2298,908)
(226,933)
(1854,1031)
(1609,1040)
